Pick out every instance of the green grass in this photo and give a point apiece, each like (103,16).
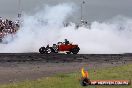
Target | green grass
(72,80)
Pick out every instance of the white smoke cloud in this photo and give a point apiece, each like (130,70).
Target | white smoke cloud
(46,27)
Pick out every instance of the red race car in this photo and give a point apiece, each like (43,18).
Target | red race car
(61,47)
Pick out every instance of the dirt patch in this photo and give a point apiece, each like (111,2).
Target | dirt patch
(20,71)
(31,66)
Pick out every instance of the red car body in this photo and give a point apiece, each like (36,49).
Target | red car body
(66,47)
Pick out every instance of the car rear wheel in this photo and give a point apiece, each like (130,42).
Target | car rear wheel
(42,50)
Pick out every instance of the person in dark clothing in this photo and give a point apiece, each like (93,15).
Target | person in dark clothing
(66,41)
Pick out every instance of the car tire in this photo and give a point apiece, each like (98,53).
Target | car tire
(75,50)
(42,50)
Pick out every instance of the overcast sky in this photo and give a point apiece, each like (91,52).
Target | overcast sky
(94,9)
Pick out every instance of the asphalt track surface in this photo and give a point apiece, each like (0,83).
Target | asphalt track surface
(23,57)
(16,67)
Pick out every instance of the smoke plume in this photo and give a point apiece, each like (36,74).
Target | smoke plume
(46,27)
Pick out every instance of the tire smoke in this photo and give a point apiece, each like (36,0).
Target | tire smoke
(46,27)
